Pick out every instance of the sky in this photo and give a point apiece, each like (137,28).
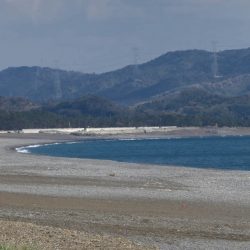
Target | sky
(103,35)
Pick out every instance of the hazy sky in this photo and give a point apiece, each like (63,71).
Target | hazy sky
(100,35)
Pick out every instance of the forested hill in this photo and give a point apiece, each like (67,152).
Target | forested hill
(191,107)
(16,104)
(132,84)
(178,88)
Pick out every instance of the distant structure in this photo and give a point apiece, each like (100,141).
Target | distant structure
(136,57)
(37,76)
(215,66)
(135,52)
(57,82)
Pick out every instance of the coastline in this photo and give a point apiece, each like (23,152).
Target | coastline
(165,207)
(238,144)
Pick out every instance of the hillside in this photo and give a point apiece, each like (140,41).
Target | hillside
(87,105)
(16,104)
(132,84)
(201,108)
(177,88)
(87,111)
(189,107)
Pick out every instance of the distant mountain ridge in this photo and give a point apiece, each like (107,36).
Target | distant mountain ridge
(177,88)
(132,84)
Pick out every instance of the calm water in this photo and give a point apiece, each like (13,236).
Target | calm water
(213,152)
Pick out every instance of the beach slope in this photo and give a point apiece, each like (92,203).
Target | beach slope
(156,206)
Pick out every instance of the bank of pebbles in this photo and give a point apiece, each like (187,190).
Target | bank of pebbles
(21,234)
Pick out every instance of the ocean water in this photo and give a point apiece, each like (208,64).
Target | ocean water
(209,152)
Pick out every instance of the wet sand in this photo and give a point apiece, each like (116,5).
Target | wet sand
(164,206)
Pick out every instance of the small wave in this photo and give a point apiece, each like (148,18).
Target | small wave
(128,139)
(139,139)
(25,150)
(73,142)
(33,146)
(22,150)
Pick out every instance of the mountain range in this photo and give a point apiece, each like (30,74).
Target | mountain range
(177,88)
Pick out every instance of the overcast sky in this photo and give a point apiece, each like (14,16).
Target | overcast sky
(101,35)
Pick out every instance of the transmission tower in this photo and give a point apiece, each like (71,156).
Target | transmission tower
(135,52)
(136,56)
(57,82)
(37,76)
(215,67)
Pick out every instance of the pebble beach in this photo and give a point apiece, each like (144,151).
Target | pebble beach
(139,205)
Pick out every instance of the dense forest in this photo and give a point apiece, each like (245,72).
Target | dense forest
(98,112)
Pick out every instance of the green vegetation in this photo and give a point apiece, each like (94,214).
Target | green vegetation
(191,107)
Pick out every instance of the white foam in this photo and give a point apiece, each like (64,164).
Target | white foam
(33,146)
(139,139)
(22,150)
(129,139)
(25,150)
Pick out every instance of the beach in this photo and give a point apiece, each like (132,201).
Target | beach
(138,205)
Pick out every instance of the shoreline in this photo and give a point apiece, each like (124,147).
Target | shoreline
(164,207)
(24,149)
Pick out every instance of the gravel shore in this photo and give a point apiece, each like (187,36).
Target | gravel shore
(156,206)
(29,235)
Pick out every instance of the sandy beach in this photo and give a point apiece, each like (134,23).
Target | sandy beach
(150,206)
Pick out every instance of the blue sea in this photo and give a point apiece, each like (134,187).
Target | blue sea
(231,153)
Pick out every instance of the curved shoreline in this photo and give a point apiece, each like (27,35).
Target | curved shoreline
(25,149)
(132,167)
(166,207)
